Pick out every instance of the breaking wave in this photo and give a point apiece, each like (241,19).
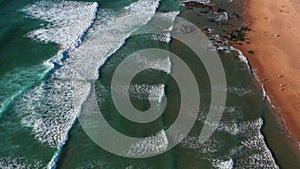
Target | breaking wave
(150,92)
(251,151)
(19,162)
(51,109)
(65,27)
(150,145)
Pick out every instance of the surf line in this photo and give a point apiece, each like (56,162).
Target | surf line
(51,63)
(57,61)
(64,55)
(93,68)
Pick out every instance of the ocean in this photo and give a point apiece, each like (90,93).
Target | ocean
(55,55)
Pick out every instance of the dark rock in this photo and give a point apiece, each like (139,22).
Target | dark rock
(251,52)
(196,4)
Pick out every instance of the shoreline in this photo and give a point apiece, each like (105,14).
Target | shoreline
(273,40)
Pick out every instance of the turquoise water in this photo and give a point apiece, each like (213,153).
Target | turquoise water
(40,96)
(21,57)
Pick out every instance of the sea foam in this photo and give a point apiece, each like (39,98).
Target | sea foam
(16,82)
(242,57)
(48,119)
(164,23)
(162,63)
(239,91)
(253,150)
(221,164)
(65,27)
(150,92)
(20,163)
(109,37)
(151,145)
(51,108)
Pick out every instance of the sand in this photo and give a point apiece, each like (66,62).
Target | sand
(275,40)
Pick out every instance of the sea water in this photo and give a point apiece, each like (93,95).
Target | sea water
(52,49)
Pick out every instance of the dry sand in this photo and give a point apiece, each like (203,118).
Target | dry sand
(275,40)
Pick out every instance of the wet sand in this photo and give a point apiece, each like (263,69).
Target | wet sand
(275,41)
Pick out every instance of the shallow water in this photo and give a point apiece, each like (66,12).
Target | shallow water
(39,112)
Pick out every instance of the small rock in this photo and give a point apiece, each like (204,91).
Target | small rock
(251,52)
(188,29)
(208,30)
(279,76)
(282,85)
(199,3)
(223,16)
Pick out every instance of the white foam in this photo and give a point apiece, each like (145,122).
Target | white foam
(150,145)
(108,37)
(231,128)
(162,63)
(221,164)
(253,150)
(239,91)
(91,164)
(51,109)
(165,23)
(263,158)
(151,92)
(67,21)
(19,163)
(241,128)
(242,57)
(265,95)
(223,16)
(12,86)
(257,154)
(53,106)
(206,148)
(162,37)
(166,20)
(219,44)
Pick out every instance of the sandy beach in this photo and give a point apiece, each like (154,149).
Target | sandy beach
(275,42)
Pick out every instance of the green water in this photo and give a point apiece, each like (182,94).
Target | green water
(21,58)
(81,151)
(22,68)
(17,50)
